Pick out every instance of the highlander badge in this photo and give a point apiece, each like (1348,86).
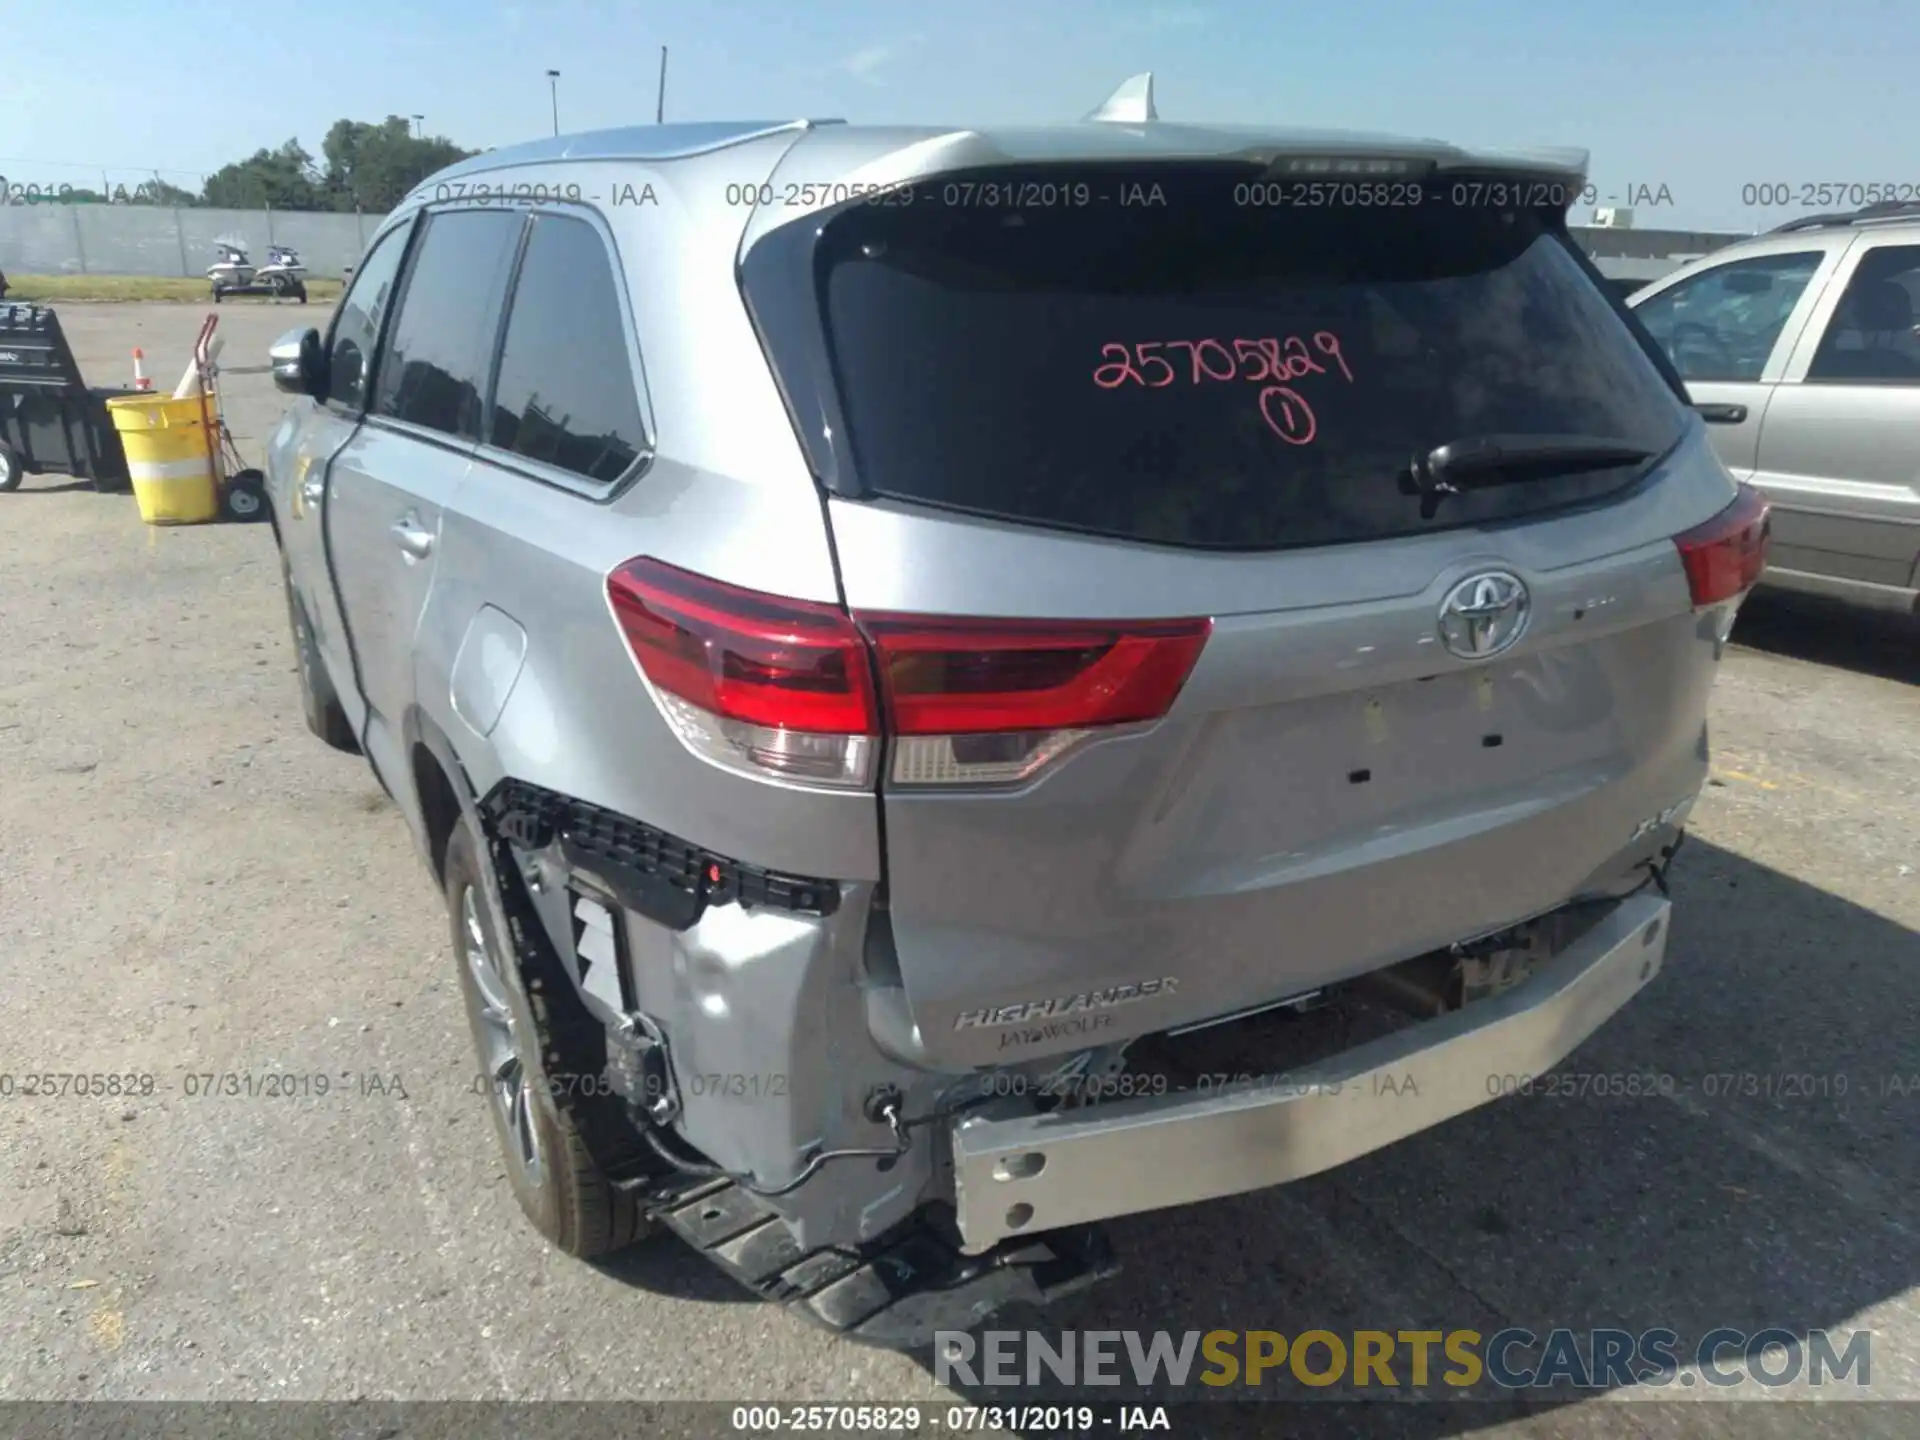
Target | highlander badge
(1064,1005)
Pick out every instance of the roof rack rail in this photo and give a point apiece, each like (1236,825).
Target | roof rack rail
(1865,215)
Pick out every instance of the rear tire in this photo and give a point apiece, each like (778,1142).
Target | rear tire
(319,702)
(554,1177)
(12,468)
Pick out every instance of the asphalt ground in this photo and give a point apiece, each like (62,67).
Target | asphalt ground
(189,884)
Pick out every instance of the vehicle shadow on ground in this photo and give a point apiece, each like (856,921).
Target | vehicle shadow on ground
(1806,627)
(37,485)
(1757,1179)
(664,1266)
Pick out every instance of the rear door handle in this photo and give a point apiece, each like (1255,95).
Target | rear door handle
(411,538)
(1716,414)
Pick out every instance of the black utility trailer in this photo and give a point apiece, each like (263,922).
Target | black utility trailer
(50,421)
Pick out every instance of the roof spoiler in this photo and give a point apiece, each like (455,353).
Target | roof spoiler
(1130,104)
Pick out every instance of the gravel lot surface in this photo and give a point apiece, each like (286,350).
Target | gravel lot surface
(190,883)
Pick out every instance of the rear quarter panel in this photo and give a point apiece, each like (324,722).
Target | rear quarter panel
(726,494)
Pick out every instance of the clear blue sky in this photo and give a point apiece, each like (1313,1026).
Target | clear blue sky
(1701,96)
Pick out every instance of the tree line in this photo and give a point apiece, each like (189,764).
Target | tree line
(362,166)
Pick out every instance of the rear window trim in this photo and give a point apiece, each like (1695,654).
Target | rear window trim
(810,389)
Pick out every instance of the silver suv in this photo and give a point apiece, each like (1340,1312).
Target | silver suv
(922,659)
(1801,345)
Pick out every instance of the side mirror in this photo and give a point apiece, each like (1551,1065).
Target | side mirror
(299,366)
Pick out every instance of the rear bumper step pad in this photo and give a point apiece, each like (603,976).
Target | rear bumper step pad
(896,1291)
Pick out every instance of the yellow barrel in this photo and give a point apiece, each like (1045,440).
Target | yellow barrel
(169,458)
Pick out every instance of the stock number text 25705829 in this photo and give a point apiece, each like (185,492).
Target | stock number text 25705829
(1270,363)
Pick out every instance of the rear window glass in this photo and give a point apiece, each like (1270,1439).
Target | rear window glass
(1158,355)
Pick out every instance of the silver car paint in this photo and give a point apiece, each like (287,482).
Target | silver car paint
(1194,848)
(1837,461)
(1228,843)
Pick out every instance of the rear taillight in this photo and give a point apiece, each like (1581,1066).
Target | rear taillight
(993,701)
(1725,556)
(769,686)
(751,682)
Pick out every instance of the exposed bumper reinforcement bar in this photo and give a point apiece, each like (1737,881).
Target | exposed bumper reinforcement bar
(1029,1173)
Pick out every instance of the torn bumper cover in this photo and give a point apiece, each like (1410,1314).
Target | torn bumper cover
(1040,1172)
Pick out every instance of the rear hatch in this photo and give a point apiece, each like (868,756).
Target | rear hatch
(1201,407)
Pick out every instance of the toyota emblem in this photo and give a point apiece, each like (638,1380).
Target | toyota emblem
(1484,614)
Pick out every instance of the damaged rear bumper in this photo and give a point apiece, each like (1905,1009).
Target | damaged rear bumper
(1032,1173)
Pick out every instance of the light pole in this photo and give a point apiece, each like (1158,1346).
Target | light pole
(416,125)
(553,83)
(660,100)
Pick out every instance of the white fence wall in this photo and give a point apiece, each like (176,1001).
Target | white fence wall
(58,239)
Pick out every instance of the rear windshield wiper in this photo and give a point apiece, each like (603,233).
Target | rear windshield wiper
(1462,465)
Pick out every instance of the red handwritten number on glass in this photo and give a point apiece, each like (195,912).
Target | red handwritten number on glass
(1145,360)
(1116,373)
(1201,367)
(1276,367)
(1299,363)
(1287,415)
(1192,347)
(1328,344)
(1285,410)
(1250,353)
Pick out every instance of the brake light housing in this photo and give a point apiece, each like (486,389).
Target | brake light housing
(1726,555)
(801,691)
(994,702)
(758,684)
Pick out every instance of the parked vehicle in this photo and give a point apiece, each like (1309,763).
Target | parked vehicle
(1801,347)
(283,277)
(905,684)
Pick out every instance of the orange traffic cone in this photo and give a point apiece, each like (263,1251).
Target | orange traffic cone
(140,380)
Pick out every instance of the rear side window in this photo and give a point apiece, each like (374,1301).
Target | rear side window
(1172,356)
(1872,338)
(434,373)
(566,394)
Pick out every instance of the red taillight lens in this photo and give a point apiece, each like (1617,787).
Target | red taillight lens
(1725,556)
(744,655)
(752,682)
(766,685)
(973,677)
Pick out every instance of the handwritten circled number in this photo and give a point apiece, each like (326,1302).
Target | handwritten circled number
(1287,415)
(1269,362)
